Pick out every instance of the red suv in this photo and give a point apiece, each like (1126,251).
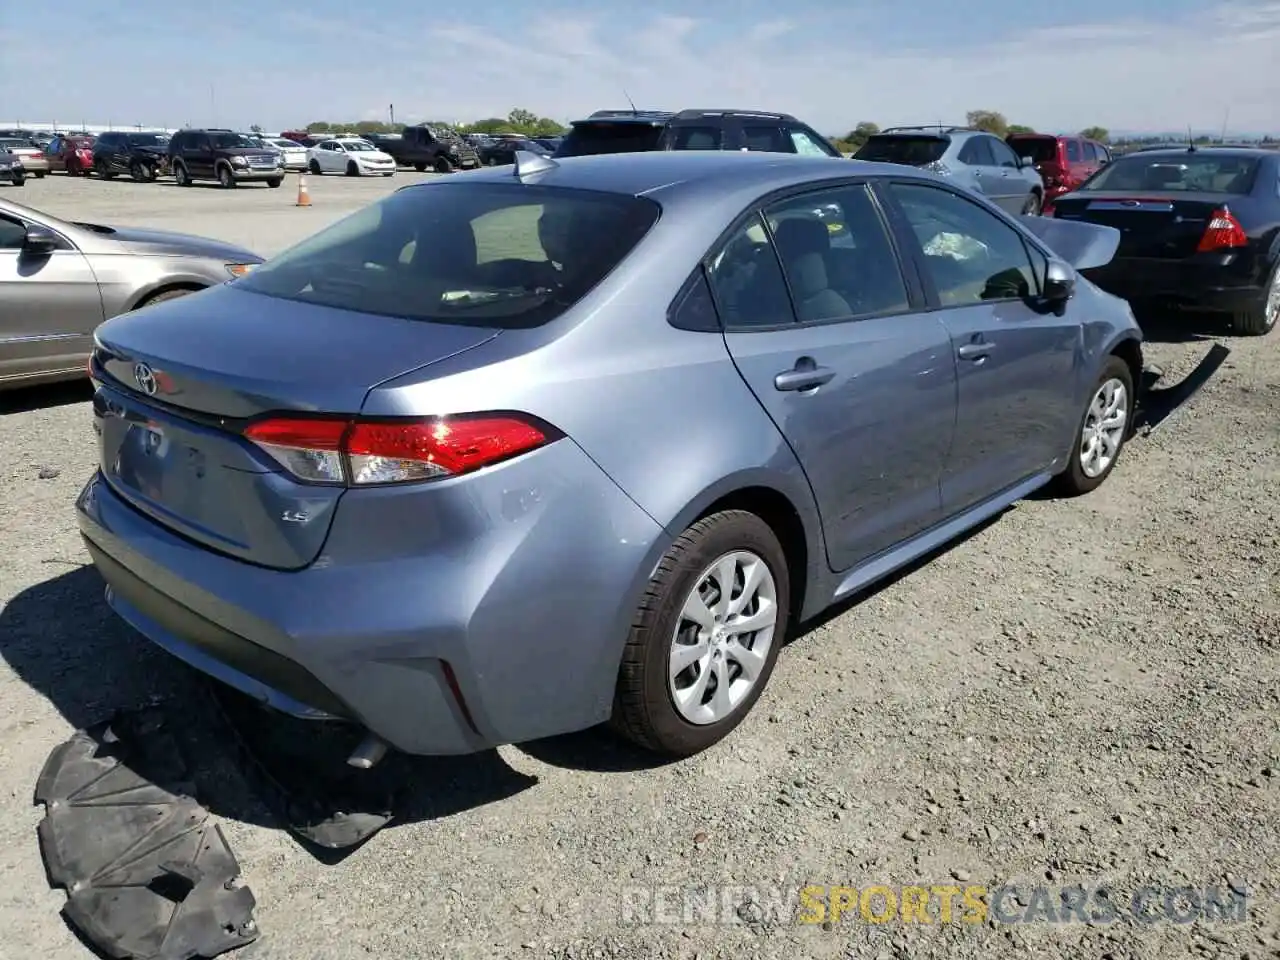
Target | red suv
(1063,162)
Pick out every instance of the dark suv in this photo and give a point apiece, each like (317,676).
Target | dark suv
(229,157)
(638,131)
(143,156)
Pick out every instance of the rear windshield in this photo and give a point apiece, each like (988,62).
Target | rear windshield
(1186,172)
(586,139)
(914,151)
(506,255)
(1035,149)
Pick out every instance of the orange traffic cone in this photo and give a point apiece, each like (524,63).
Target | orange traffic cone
(304,198)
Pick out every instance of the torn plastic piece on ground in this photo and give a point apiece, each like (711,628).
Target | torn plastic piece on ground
(148,874)
(299,771)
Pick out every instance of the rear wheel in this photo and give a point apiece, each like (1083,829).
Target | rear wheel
(39,174)
(706,636)
(180,175)
(1103,430)
(19,180)
(1260,319)
(1033,205)
(102,170)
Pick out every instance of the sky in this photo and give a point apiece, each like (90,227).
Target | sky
(1128,65)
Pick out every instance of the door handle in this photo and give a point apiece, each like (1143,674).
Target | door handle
(974,351)
(803,378)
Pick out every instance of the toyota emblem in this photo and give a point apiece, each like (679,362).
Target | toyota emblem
(146,378)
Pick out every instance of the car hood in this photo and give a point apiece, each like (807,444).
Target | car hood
(373,155)
(163,243)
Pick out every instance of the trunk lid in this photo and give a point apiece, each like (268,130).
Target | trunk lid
(180,379)
(1151,224)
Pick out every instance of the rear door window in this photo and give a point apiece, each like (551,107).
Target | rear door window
(1073,151)
(1004,157)
(977,153)
(707,136)
(837,255)
(766,138)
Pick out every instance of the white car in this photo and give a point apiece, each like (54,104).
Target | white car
(294,154)
(349,155)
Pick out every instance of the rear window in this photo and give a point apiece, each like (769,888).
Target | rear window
(1183,172)
(505,255)
(913,151)
(587,139)
(1035,149)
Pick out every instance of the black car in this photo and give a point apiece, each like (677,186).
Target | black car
(1199,230)
(229,157)
(637,131)
(502,150)
(142,155)
(11,168)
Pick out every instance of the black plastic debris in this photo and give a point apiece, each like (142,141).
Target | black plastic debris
(148,874)
(299,770)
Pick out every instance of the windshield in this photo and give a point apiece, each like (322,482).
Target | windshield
(225,141)
(913,151)
(1035,149)
(357,146)
(1180,172)
(483,253)
(587,139)
(147,140)
(442,133)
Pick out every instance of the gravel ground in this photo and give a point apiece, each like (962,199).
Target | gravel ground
(1081,692)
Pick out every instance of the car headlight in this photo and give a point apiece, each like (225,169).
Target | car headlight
(239,162)
(239,269)
(4,165)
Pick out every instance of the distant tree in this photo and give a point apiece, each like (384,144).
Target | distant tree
(859,135)
(1101,134)
(320,126)
(991,121)
(256,128)
(520,118)
(1020,128)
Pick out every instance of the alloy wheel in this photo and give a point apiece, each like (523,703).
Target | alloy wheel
(1104,428)
(721,641)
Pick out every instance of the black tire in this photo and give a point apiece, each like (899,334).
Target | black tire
(103,172)
(226,178)
(180,175)
(1073,480)
(1033,206)
(164,295)
(39,174)
(390,173)
(139,172)
(1259,319)
(275,182)
(352,169)
(19,181)
(443,165)
(643,710)
(420,166)
(314,167)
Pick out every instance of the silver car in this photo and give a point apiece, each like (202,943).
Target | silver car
(59,280)
(510,453)
(974,159)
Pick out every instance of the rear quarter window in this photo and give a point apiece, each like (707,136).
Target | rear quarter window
(485,254)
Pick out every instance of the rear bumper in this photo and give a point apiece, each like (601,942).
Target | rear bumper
(515,591)
(1211,284)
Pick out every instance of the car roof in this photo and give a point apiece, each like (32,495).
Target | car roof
(686,172)
(1255,152)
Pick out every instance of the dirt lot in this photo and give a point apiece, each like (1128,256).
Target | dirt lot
(1082,692)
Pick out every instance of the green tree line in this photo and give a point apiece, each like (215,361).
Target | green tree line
(518,120)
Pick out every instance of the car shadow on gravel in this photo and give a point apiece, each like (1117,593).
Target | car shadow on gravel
(30,399)
(62,640)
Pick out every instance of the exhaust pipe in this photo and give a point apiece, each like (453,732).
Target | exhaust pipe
(369,754)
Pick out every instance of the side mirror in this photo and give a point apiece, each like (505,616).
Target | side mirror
(39,241)
(1059,283)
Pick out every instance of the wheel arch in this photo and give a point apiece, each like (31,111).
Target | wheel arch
(192,285)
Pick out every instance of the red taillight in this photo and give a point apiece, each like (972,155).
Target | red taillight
(1223,233)
(360,452)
